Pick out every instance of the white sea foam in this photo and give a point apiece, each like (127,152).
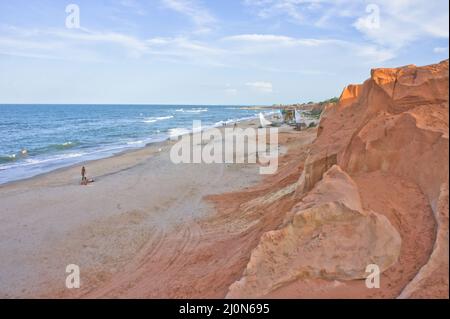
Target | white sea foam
(156,119)
(231,121)
(178,131)
(136,143)
(37,161)
(193,110)
(41,159)
(197,111)
(31,161)
(221,123)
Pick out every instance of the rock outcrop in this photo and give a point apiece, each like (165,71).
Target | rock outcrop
(330,236)
(397,121)
(432,279)
(394,124)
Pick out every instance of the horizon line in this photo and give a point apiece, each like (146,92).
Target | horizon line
(143,104)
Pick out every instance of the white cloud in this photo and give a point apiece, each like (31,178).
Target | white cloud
(253,44)
(245,51)
(373,53)
(440,50)
(230,90)
(403,22)
(400,22)
(260,86)
(313,12)
(199,15)
(259,38)
(65,44)
(270,8)
(279,40)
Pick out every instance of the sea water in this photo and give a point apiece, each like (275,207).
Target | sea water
(35,139)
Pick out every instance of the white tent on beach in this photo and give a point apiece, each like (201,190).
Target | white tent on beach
(263,121)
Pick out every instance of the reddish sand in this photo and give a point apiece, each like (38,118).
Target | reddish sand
(203,258)
(388,140)
(391,135)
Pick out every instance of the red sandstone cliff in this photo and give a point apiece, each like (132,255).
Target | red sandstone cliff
(370,188)
(374,189)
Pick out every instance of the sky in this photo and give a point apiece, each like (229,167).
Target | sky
(233,52)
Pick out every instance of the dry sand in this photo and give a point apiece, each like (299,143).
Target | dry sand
(369,185)
(141,209)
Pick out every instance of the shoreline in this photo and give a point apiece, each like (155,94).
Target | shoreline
(82,163)
(167,140)
(346,195)
(50,221)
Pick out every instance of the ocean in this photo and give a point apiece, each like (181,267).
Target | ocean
(36,139)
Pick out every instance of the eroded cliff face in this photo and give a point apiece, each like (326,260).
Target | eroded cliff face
(330,237)
(397,121)
(389,133)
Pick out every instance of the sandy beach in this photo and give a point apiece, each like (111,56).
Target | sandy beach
(140,207)
(368,186)
(219,155)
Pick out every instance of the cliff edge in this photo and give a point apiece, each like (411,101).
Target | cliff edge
(374,190)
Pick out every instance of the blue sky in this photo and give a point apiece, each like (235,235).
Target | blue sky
(209,51)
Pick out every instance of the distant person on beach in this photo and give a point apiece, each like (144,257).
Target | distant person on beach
(83,176)
(84,179)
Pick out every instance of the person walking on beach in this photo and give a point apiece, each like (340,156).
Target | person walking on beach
(83,175)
